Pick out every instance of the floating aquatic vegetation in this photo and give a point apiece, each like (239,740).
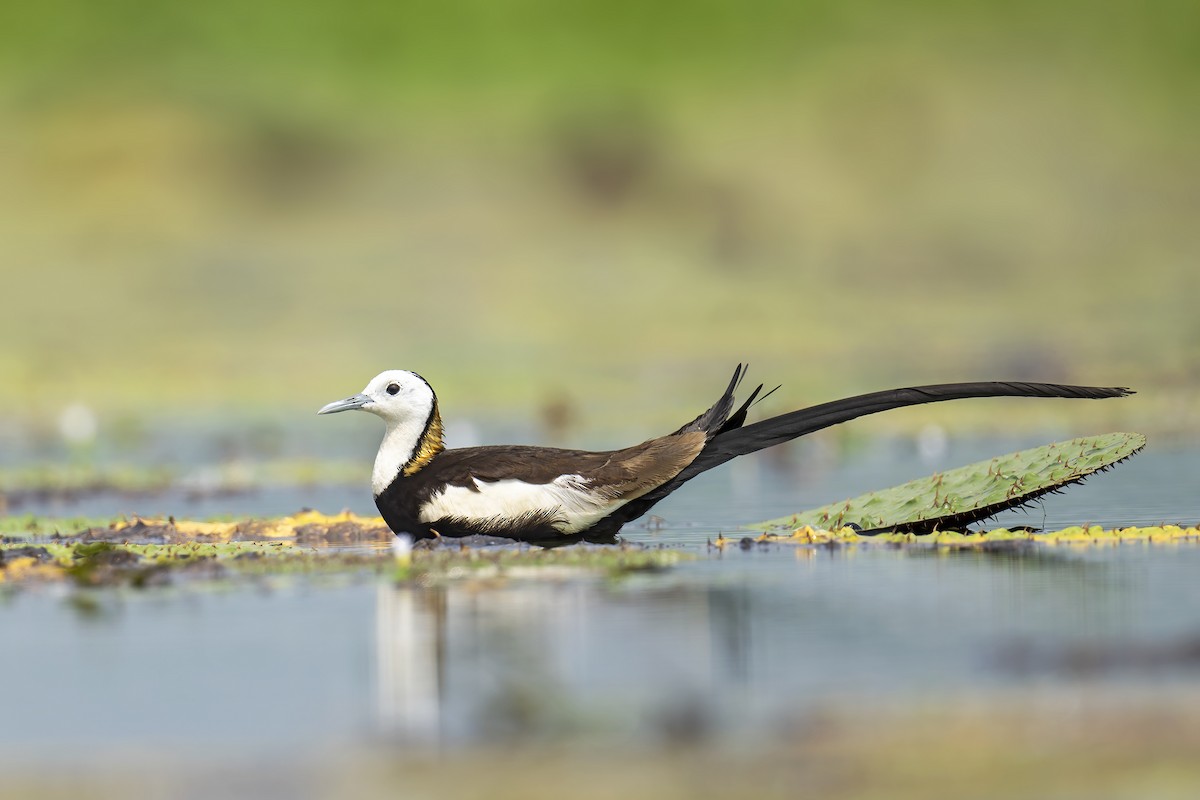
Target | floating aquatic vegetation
(143,552)
(957,498)
(1094,535)
(19,527)
(147,552)
(92,563)
(519,562)
(308,527)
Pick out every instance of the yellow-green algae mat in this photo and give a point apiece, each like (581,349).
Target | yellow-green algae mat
(150,552)
(949,501)
(1091,535)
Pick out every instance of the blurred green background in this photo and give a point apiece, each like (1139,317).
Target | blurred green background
(257,206)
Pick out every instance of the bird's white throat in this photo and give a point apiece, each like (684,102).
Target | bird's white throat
(408,445)
(399,445)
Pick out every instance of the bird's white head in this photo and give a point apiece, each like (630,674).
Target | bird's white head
(396,395)
(407,404)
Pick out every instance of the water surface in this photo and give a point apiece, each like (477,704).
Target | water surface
(733,644)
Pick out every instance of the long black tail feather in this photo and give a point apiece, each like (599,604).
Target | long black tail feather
(786,427)
(716,417)
(738,418)
(732,438)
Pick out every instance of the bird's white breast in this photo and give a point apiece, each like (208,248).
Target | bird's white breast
(568,498)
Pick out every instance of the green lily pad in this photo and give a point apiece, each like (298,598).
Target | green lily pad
(957,498)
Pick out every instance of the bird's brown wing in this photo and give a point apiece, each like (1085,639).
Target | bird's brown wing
(617,474)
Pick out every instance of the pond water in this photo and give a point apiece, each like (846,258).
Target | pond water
(732,644)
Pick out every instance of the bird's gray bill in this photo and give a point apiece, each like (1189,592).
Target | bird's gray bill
(349,404)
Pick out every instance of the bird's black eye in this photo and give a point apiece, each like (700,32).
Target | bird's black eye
(392,388)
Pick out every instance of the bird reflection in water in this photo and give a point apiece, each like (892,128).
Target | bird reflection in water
(467,662)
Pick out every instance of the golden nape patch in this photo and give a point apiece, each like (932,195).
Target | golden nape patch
(430,445)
